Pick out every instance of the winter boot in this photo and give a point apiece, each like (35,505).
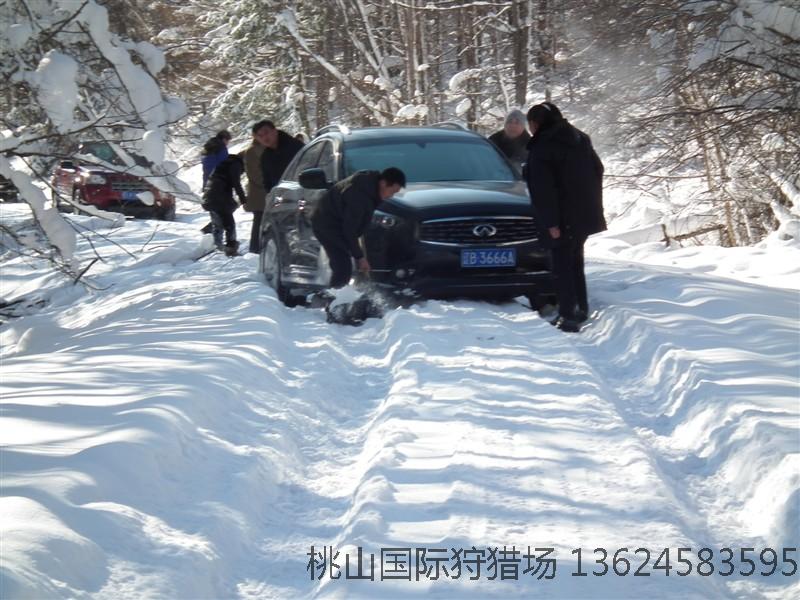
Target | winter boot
(568,325)
(581,316)
(232,248)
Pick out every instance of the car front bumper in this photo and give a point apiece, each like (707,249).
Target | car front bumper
(435,271)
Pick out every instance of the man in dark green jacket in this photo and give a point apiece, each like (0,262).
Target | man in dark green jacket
(344,213)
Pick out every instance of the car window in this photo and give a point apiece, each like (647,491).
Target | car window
(437,159)
(106,153)
(305,159)
(100,150)
(327,161)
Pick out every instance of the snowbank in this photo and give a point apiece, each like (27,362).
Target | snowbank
(178,432)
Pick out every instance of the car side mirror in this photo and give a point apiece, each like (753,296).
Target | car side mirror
(67,164)
(313,179)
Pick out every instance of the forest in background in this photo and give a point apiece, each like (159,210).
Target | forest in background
(674,90)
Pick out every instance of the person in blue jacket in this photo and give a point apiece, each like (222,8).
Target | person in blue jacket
(218,200)
(214,152)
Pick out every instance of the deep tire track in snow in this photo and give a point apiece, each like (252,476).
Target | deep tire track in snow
(209,436)
(481,444)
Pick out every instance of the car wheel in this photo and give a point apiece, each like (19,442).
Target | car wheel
(270,265)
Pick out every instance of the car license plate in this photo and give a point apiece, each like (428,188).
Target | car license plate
(130,196)
(489,257)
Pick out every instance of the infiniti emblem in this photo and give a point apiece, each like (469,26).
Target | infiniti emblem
(484,230)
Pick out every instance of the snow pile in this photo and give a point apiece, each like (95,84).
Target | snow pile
(775,16)
(412,111)
(345,295)
(460,79)
(153,146)
(463,106)
(18,35)
(147,198)
(57,88)
(152,56)
(58,232)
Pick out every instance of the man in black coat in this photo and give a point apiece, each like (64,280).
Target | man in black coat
(279,150)
(218,201)
(344,213)
(565,180)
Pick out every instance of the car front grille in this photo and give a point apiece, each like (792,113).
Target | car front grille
(129,186)
(479,231)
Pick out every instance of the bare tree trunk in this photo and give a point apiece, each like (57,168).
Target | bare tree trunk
(435,72)
(471,62)
(519,15)
(545,52)
(324,81)
(411,47)
(425,57)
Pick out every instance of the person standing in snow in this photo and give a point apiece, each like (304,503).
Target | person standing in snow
(256,193)
(279,150)
(344,213)
(219,202)
(513,139)
(565,181)
(214,152)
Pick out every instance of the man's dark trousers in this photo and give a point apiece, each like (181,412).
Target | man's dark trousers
(338,255)
(223,222)
(570,282)
(255,232)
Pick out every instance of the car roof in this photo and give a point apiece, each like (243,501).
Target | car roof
(447,130)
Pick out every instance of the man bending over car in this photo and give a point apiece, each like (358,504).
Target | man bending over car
(344,213)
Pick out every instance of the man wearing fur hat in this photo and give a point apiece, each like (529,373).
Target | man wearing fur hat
(513,138)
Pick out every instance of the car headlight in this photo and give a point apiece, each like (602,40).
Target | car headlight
(385,220)
(95,179)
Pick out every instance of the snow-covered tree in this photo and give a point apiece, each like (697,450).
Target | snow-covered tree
(722,103)
(67,77)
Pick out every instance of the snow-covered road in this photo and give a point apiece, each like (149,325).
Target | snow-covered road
(181,434)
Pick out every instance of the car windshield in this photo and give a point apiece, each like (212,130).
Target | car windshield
(105,152)
(448,159)
(100,150)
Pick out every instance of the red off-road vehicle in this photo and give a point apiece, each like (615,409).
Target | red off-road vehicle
(90,179)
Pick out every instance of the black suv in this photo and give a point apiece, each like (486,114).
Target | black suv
(463,226)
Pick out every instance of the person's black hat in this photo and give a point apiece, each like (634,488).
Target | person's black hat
(544,114)
(393,175)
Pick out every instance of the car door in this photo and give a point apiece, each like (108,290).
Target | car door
(285,203)
(327,161)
